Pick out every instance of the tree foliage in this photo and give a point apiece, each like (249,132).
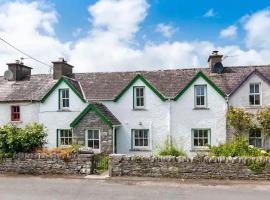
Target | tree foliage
(263,118)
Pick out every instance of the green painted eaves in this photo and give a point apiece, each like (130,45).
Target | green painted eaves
(202,75)
(149,85)
(90,107)
(62,79)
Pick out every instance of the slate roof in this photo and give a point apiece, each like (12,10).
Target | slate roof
(106,113)
(107,85)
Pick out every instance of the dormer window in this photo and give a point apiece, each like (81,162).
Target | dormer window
(139,97)
(255,94)
(200,96)
(64,98)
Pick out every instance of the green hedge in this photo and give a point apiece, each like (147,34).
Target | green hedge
(14,139)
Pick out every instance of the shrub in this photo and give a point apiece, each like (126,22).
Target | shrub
(14,139)
(263,117)
(102,162)
(170,150)
(236,148)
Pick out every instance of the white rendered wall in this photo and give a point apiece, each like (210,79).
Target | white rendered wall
(155,117)
(29,113)
(184,117)
(54,119)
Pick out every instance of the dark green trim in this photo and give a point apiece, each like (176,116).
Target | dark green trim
(91,107)
(199,74)
(59,97)
(139,76)
(57,137)
(57,84)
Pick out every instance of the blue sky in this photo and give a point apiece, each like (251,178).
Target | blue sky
(120,35)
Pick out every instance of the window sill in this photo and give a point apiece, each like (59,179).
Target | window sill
(254,107)
(64,110)
(201,108)
(15,122)
(140,150)
(139,109)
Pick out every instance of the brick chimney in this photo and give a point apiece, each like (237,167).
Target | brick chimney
(62,68)
(18,71)
(213,60)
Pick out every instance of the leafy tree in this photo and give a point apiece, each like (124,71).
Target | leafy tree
(263,118)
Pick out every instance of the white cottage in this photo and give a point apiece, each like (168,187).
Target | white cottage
(134,112)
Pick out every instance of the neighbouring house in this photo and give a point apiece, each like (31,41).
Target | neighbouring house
(134,112)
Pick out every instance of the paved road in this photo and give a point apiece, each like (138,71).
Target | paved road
(35,188)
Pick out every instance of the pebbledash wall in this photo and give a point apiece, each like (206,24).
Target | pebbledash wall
(190,168)
(42,164)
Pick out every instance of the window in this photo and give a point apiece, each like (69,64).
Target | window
(140,138)
(15,113)
(139,101)
(200,95)
(93,139)
(64,98)
(201,138)
(254,94)
(65,137)
(255,137)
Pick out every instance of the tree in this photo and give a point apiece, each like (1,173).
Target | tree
(263,118)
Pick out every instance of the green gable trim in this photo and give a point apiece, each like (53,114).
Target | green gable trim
(57,84)
(90,107)
(202,75)
(149,85)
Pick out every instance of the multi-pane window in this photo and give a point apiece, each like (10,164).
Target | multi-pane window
(65,137)
(93,139)
(141,138)
(255,137)
(254,94)
(15,113)
(139,97)
(200,95)
(64,98)
(201,137)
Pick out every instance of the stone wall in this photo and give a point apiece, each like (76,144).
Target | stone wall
(92,121)
(42,164)
(190,168)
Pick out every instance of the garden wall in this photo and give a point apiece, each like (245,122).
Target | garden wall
(43,164)
(190,168)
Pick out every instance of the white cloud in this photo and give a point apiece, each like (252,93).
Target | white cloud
(257,27)
(229,32)
(166,30)
(210,13)
(110,44)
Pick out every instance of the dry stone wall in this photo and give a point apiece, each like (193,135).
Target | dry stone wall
(43,164)
(190,168)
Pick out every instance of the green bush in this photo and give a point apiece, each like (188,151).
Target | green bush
(14,139)
(170,150)
(236,148)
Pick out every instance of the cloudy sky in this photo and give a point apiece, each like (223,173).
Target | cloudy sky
(117,35)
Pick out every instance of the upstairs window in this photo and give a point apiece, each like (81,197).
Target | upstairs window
(255,137)
(64,98)
(15,113)
(255,94)
(139,97)
(200,95)
(140,139)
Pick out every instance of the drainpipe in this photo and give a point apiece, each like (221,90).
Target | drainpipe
(169,121)
(113,139)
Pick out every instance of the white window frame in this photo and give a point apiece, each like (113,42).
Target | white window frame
(99,139)
(59,137)
(134,147)
(64,98)
(254,94)
(198,137)
(196,95)
(135,97)
(256,138)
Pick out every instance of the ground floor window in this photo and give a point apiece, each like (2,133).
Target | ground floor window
(140,138)
(65,137)
(200,137)
(93,139)
(255,137)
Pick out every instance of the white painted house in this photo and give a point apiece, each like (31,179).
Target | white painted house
(134,112)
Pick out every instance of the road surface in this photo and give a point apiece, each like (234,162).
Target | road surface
(37,188)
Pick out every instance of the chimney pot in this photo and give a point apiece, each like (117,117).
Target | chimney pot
(213,59)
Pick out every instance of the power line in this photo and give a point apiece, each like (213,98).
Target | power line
(26,54)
